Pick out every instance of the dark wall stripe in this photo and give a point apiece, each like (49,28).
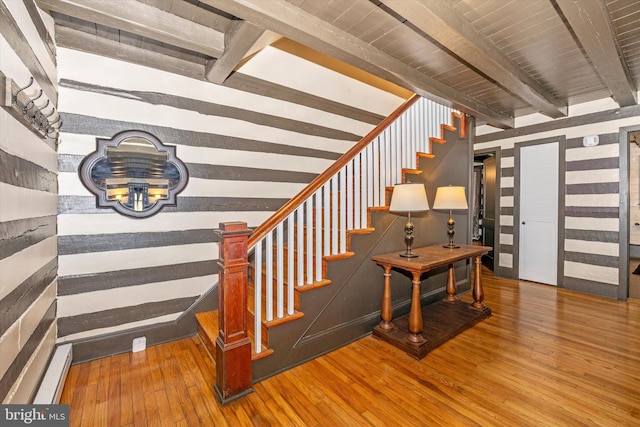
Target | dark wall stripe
(16,303)
(70,285)
(12,374)
(593,235)
(22,233)
(507,172)
(86,125)
(87,205)
(591,212)
(119,316)
(506,249)
(506,211)
(22,173)
(593,188)
(593,164)
(587,119)
(507,191)
(81,244)
(506,229)
(41,28)
(71,163)
(592,259)
(251,84)
(508,152)
(207,108)
(591,287)
(604,139)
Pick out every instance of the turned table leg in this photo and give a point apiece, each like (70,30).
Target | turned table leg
(478,292)
(451,285)
(415,315)
(387,309)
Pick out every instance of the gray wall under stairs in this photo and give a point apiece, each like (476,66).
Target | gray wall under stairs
(349,307)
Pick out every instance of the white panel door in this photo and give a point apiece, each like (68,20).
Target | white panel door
(538,250)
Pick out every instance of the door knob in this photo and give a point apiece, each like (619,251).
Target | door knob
(522,222)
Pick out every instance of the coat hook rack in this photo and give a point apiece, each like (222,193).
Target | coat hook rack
(46,123)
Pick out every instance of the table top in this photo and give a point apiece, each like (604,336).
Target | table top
(430,257)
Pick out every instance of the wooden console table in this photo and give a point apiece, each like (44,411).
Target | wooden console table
(407,332)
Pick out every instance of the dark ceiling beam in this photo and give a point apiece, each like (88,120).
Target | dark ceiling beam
(305,28)
(441,22)
(591,23)
(238,39)
(144,20)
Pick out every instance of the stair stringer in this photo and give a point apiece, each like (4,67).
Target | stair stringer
(349,308)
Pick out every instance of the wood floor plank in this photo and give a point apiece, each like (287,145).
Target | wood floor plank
(546,356)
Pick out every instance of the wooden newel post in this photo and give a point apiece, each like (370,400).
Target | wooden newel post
(233,347)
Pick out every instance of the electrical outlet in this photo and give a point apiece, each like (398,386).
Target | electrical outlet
(139,344)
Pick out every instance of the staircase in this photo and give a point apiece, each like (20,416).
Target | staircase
(290,251)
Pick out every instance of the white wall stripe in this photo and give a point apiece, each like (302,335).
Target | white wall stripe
(506,260)
(586,223)
(303,75)
(17,140)
(114,223)
(592,176)
(109,299)
(506,239)
(19,203)
(593,200)
(86,67)
(20,13)
(70,185)
(24,387)
(129,110)
(84,144)
(16,268)
(506,201)
(599,128)
(14,339)
(114,329)
(91,263)
(506,220)
(590,272)
(589,153)
(507,162)
(506,182)
(588,247)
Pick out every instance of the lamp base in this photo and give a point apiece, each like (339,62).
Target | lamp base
(451,246)
(409,255)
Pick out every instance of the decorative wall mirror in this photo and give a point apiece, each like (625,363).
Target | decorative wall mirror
(134,173)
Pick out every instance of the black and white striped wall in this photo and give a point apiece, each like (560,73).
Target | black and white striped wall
(591,235)
(28,208)
(249,146)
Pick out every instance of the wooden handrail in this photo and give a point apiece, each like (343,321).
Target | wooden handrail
(325,176)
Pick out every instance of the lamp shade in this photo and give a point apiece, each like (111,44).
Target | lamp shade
(409,198)
(450,197)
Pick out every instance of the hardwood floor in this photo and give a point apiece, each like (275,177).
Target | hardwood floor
(546,357)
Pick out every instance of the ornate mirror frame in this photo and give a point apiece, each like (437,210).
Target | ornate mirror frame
(134,174)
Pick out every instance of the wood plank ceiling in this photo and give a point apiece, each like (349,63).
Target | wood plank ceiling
(494,59)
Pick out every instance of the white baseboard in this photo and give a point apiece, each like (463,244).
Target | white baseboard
(54,378)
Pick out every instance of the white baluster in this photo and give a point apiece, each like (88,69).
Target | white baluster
(257,297)
(290,261)
(342,210)
(279,272)
(326,203)
(318,225)
(309,234)
(269,276)
(334,214)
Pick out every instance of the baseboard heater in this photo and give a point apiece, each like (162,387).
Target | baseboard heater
(54,378)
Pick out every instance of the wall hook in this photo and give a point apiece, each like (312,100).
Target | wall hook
(14,98)
(31,102)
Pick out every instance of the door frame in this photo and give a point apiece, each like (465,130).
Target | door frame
(624,214)
(497,153)
(561,140)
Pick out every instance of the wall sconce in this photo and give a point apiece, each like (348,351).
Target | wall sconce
(45,122)
(409,198)
(450,198)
